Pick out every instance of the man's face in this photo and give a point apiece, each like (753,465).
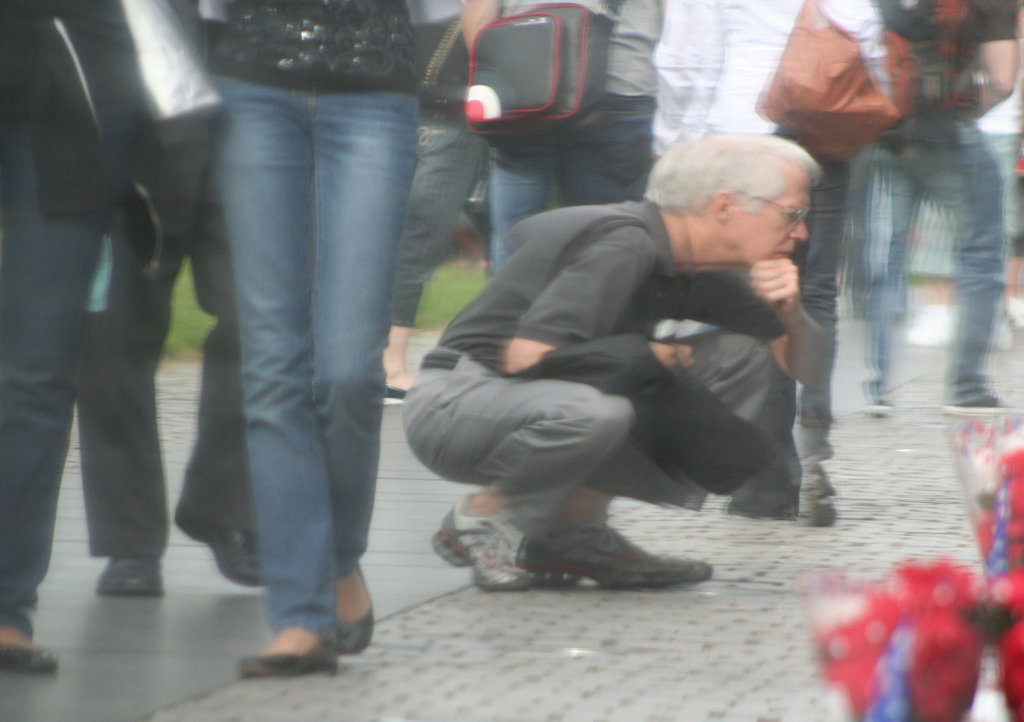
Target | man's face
(772,227)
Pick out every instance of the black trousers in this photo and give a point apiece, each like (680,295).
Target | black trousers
(122,471)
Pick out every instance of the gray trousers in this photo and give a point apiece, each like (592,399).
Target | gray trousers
(538,441)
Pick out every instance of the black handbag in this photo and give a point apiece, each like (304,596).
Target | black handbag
(536,70)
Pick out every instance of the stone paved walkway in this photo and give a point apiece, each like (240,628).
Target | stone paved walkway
(735,648)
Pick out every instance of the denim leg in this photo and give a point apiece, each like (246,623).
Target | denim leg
(449,157)
(265,164)
(979,267)
(365,162)
(519,181)
(819,291)
(887,206)
(599,161)
(314,188)
(45,277)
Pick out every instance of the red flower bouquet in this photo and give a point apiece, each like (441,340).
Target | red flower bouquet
(900,649)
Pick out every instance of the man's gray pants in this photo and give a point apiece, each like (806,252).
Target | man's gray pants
(538,441)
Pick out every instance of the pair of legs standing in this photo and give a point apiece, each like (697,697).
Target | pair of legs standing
(122,468)
(962,176)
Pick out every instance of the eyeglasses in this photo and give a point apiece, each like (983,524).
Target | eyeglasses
(793,215)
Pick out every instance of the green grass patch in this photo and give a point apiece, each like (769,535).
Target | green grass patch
(189,323)
(453,286)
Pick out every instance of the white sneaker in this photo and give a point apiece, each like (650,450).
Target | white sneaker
(932,327)
(1015,310)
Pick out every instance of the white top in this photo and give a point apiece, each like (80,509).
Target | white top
(715,57)
(1005,118)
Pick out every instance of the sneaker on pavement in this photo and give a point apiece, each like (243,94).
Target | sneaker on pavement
(489,544)
(817,497)
(879,409)
(986,404)
(596,551)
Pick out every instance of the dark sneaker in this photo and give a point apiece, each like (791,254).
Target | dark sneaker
(986,404)
(788,512)
(131,577)
(490,544)
(598,552)
(817,498)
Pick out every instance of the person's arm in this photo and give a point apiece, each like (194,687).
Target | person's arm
(522,353)
(777,282)
(475,15)
(1000,58)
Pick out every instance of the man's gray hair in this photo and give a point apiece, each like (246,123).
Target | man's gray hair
(690,173)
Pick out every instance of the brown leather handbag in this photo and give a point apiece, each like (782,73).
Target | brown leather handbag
(823,93)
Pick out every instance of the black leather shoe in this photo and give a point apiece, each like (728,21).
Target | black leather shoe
(131,577)
(31,660)
(322,658)
(354,637)
(234,550)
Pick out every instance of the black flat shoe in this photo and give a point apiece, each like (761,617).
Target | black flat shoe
(393,396)
(234,550)
(30,660)
(131,577)
(354,637)
(322,658)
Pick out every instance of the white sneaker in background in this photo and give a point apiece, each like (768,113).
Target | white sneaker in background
(1002,335)
(1015,310)
(932,327)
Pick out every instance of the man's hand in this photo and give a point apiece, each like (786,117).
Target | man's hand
(777,282)
(672,354)
(522,353)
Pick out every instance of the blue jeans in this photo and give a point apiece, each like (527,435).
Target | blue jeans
(315,187)
(47,268)
(605,159)
(962,176)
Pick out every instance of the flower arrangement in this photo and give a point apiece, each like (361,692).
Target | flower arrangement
(909,648)
(902,649)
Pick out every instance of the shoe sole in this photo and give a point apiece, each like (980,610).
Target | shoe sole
(953,410)
(565,575)
(879,411)
(130,592)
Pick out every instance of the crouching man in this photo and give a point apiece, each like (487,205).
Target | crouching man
(551,391)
